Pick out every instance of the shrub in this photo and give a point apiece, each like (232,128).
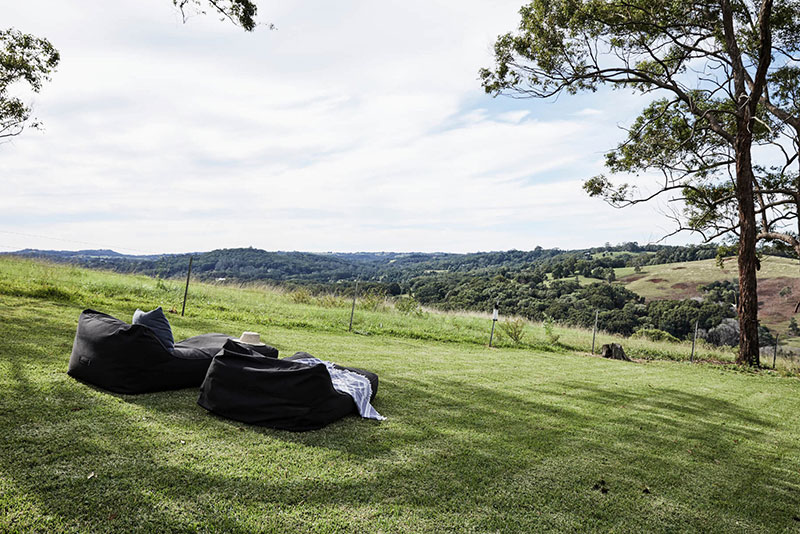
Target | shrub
(301,296)
(549,330)
(373,300)
(330,301)
(514,329)
(408,305)
(654,334)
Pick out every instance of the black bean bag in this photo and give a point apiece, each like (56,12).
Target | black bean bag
(283,394)
(125,358)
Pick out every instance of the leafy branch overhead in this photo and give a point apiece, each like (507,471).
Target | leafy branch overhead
(24,59)
(240,12)
(680,48)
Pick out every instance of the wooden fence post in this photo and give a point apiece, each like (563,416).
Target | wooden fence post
(494,320)
(594,331)
(694,341)
(186,291)
(775,354)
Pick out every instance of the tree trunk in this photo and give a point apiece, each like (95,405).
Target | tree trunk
(748,296)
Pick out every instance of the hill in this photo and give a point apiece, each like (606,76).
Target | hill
(685,280)
(565,286)
(539,438)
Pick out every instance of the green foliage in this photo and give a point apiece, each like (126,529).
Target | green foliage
(23,59)
(765,337)
(373,300)
(794,329)
(408,305)
(514,329)
(725,251)
(722,291)
(240,12)
(301,296)
(549,330)
(654,334)
(329,300)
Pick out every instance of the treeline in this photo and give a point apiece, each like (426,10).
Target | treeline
(620,310)
(537,284)
(248,264)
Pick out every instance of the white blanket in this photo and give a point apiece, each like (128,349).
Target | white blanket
(349,383)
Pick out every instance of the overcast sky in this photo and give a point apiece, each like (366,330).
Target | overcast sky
(355,126)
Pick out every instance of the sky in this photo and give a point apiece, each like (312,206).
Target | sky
(354,126)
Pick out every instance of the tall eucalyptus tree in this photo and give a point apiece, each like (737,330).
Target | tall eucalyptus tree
(724,77)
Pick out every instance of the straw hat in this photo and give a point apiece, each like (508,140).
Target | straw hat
(250,338)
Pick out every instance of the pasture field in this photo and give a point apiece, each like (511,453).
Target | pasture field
(526,437)
(682,280)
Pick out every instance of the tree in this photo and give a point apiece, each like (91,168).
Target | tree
(794,329)
(24,59)
(725,70)
(29,59)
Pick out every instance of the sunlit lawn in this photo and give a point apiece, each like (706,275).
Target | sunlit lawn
(477,439)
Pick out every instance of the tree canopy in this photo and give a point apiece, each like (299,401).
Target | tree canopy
(24,60)
(726,70)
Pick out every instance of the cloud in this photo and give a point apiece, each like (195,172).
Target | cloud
(354,126)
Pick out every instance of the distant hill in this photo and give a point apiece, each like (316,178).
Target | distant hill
(99,253)
(247,264)
(569,286)
(686,280)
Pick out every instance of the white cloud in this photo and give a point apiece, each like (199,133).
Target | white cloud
(354,126)
(588,112)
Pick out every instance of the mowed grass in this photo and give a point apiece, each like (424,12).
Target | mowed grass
(477,439)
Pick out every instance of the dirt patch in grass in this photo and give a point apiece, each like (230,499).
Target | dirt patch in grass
(656,280)
(680,285)
(772,307)
(678,268)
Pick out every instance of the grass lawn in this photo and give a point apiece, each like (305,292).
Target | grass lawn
(477,440)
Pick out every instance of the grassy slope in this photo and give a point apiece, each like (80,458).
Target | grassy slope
(681,280)
(503,440)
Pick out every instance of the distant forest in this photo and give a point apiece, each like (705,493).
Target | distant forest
(539,284)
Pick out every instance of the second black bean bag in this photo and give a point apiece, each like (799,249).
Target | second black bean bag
(283,394)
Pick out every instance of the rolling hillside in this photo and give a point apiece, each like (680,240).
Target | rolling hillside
(682,280)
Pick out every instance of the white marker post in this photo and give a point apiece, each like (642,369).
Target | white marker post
(494,320)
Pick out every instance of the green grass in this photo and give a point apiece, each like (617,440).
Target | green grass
(525,439)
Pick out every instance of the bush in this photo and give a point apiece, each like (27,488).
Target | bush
(549,331)
(329,300)
(408,306)
(654,334)
(514,329)
(301,296)
(373,300)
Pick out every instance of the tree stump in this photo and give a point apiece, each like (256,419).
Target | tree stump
(613,351)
